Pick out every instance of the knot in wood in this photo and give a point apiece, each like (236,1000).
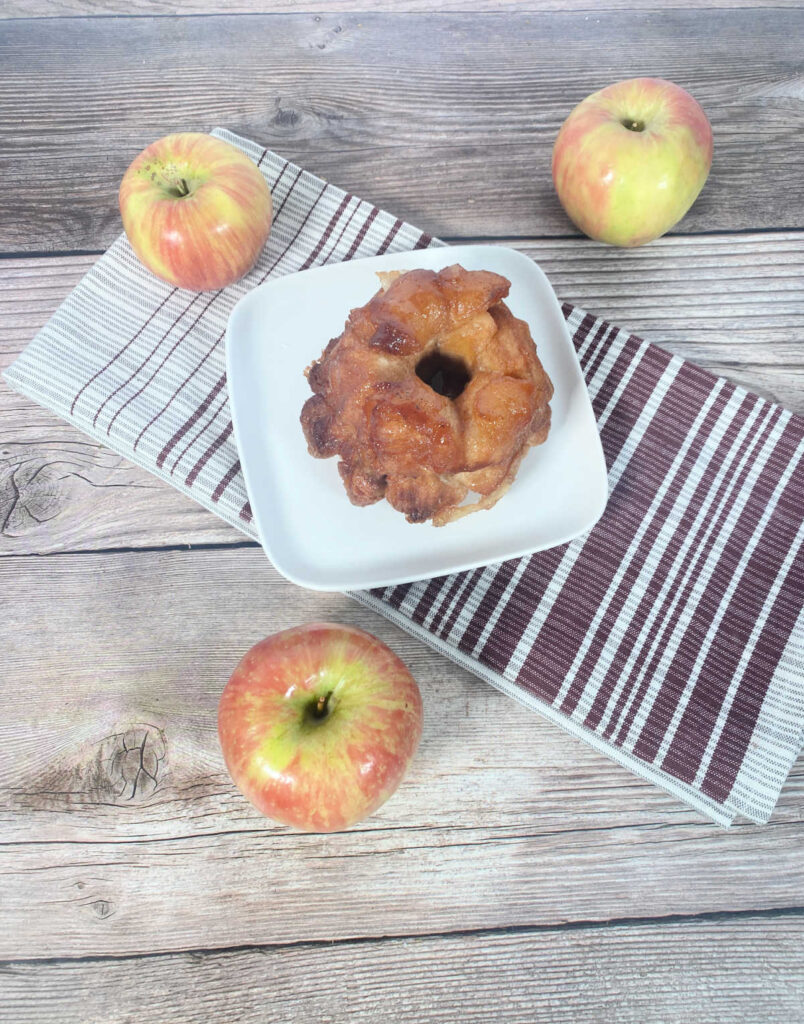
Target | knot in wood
(35,488)
(102,908)
(31,493)
(131,764)
(285,118)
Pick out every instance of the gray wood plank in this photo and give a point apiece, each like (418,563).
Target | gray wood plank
(446,121)
(132,650)
(62,8)
(738,970)
(730,302)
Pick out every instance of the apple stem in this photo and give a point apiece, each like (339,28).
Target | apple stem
(320,708)
(183,187)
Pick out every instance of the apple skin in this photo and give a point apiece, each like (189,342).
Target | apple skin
(627,186)
(319,774)
(212,235)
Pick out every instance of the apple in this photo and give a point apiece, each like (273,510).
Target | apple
(196,210)
(318,724)
(630,160)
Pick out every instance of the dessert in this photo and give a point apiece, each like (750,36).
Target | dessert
(433,391)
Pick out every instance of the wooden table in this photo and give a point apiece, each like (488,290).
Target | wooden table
(516,875)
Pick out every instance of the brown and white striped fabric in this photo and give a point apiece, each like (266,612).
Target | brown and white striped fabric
(671,636)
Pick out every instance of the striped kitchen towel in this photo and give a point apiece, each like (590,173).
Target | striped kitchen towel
(670,637)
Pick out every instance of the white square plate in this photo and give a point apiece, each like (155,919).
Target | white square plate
(308,527)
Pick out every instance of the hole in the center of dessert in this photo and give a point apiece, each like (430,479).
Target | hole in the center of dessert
(444,374)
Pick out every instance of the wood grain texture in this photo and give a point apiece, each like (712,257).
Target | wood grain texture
(702,971)
(418,113)
(121,832)
(138,8)
(732,303)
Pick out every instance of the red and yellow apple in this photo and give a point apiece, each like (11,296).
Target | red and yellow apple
(630,160)
(196,211)
(318,724)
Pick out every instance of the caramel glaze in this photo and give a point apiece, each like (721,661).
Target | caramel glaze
(461,425)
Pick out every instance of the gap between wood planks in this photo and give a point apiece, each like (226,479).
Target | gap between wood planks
(210,546)
(23,254)
(458,933)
